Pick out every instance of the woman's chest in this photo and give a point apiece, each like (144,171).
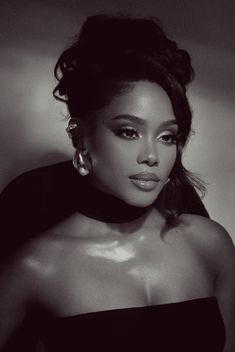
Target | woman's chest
(114,275)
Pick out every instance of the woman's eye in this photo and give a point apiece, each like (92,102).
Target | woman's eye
(168,138)
(128,133)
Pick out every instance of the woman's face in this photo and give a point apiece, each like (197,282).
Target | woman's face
(133,144)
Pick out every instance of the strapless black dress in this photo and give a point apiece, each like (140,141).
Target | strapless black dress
(192,326)
(189,326)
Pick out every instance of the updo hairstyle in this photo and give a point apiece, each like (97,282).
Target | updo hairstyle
(108,57)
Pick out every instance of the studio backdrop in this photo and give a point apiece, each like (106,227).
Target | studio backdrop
(32,124)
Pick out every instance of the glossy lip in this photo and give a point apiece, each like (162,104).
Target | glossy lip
(145,181)
(145,176)
(146,186)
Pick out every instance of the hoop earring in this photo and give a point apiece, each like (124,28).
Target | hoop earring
(81,163)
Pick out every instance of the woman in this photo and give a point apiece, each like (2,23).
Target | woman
(129,270)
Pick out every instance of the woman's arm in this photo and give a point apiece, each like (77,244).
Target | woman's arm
(14,296)
(225,284)
(217,247)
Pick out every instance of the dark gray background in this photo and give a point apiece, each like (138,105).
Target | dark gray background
(33,34)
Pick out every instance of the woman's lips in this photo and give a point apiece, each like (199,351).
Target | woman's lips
(144,185)
(145,181)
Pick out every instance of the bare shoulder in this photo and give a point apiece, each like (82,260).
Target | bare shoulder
(19,286)
(46,255)
(32,265)
(217,245)
(213,241)
(27,277)
(207,232)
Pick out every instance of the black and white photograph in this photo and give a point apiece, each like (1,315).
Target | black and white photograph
(117,176)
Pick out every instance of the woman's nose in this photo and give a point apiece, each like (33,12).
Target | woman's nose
(149,154)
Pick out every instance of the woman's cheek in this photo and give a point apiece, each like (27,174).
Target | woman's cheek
(171,162)
(167,159)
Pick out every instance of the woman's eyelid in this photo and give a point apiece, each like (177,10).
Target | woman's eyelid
(130,128)
(173,131)
(141,130)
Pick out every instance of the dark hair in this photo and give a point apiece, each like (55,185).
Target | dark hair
(112,51)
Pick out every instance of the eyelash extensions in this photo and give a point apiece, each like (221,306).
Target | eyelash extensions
(131,133)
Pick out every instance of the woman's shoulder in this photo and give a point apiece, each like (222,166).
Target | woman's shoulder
(34,263)
(19,261)
(45,251)
(211,236)
(205,227)
(27,280)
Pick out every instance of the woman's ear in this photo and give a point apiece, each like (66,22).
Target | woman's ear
(77,132)
(86,134)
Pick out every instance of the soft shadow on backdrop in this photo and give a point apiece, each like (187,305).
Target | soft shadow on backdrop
(32,125)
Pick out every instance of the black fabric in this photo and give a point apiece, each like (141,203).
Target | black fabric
(40,198)
(189,326)
(35,201)
(104,207)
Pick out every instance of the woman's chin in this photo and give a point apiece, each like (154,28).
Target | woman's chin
(141,201)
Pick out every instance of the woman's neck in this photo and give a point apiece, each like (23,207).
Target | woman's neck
(104,207)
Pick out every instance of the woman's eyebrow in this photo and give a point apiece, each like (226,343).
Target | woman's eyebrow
(131,118)
(169,123)
(140,121)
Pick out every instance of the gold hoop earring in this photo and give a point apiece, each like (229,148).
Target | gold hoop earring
(81,163)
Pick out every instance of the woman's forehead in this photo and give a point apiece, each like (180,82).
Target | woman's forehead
(145,100)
